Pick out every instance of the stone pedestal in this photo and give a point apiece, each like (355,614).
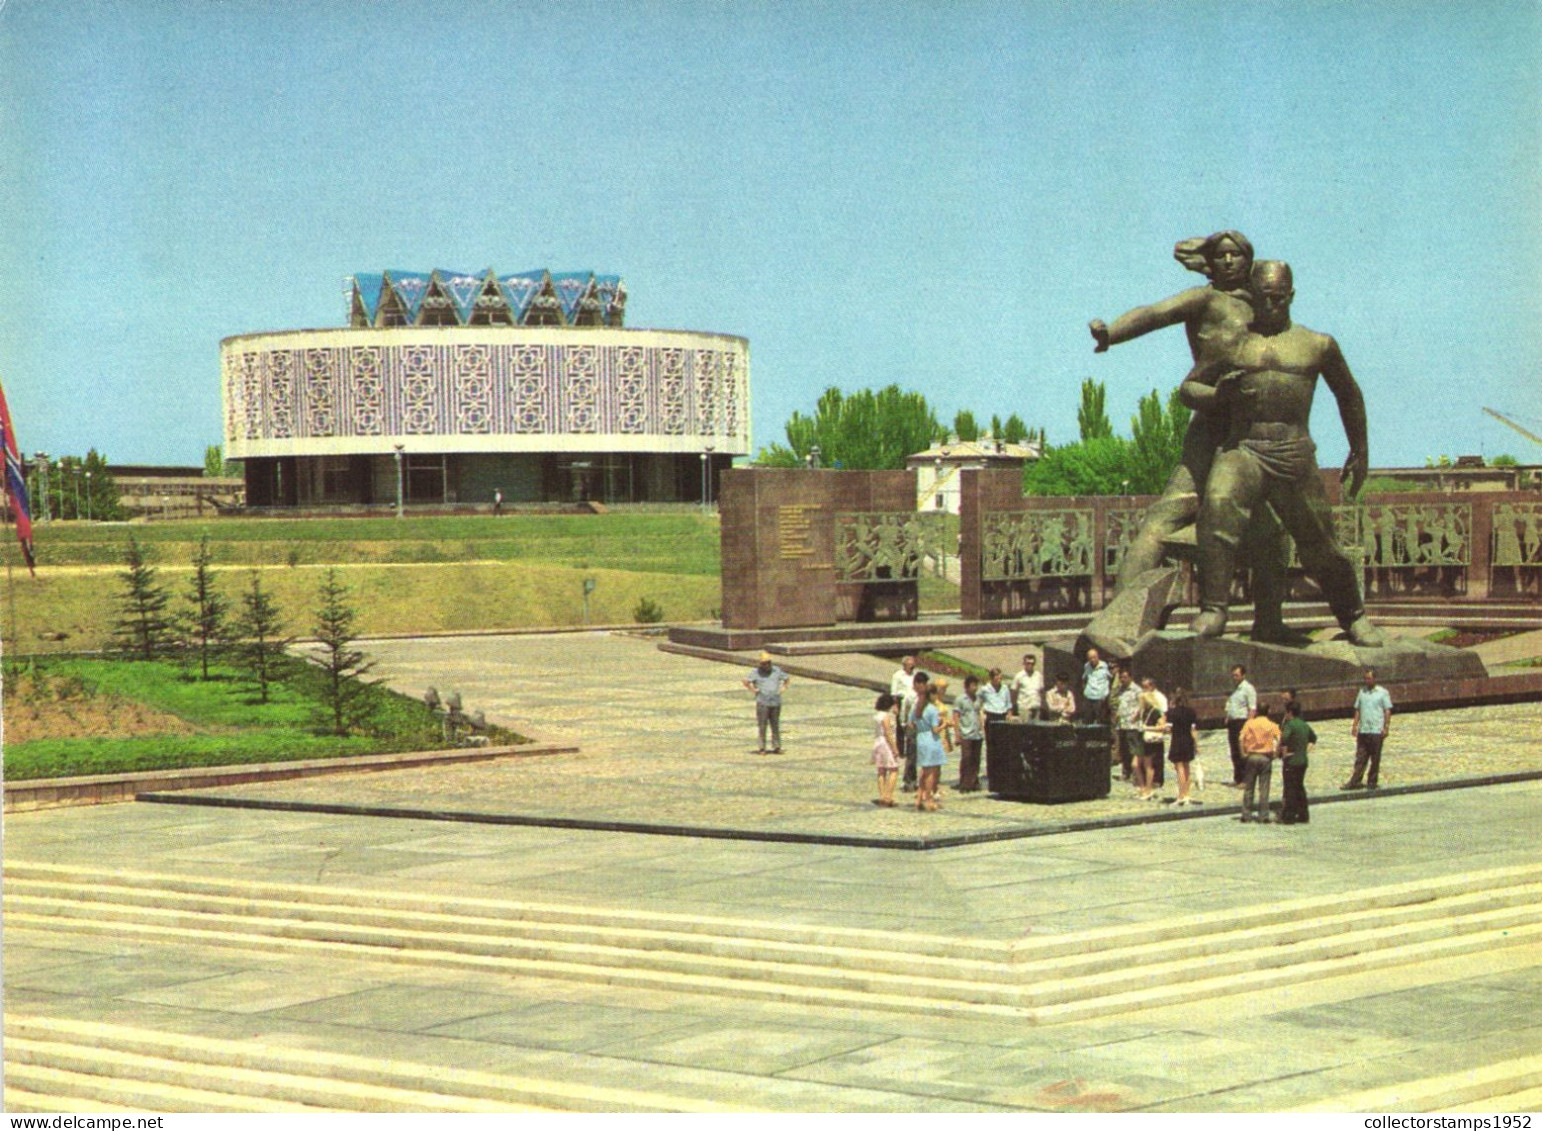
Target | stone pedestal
(1046,763)
(1203,664)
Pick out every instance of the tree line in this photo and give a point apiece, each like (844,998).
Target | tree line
(207,628)
(876,431)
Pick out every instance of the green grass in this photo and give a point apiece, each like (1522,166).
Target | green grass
(232,726)
(447,573)
(668,543)
(952,666)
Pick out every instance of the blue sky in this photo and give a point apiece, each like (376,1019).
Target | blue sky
(934,194)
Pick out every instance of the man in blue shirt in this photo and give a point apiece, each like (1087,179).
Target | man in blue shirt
(767,681)
(1097,681)
(1372,724)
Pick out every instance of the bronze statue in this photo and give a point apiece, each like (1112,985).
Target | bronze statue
(1216,319)
(1263,392)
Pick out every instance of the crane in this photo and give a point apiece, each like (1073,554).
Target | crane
(1506,420)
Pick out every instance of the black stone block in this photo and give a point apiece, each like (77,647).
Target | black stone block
(1047,763)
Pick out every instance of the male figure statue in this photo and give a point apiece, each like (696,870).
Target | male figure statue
(1268,455)
(1216,319)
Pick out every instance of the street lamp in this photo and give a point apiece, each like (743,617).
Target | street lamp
(76,477)
(399,449)
(88,496)
(706,477)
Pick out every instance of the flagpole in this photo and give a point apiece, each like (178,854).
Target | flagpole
(10,582)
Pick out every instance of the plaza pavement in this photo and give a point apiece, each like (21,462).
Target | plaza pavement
(670,738)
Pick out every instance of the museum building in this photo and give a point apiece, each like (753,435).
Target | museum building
(451,386)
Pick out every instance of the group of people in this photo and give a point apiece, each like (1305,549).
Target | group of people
(1258,734)
(916,725)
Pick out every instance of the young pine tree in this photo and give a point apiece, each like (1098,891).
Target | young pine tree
(206,620)
(259,635)
(143,629)
(345,694)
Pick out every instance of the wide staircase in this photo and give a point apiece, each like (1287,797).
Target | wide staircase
(1037,980)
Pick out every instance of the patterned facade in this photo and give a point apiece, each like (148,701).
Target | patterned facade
(518,389)
(598,392)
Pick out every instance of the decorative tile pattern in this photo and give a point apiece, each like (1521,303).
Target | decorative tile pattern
(487,389)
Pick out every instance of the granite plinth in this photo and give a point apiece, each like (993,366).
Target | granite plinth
(1046,763)
(1203,664)
(1140,607)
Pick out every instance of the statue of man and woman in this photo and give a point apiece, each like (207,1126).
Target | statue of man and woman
(1248,463)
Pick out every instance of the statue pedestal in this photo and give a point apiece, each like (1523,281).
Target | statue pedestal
(1203,664)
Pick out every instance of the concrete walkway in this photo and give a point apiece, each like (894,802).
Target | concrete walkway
(661,732)
(668,742)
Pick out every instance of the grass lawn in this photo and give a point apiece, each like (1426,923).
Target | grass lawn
(79,717)
(446,573)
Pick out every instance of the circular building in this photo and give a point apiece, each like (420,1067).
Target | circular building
(459,387)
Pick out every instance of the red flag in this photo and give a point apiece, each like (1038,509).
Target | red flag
(16,485)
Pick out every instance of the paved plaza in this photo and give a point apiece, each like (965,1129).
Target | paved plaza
(669,740)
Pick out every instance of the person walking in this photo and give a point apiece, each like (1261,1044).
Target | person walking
(767,681)
(1127,735)
(929,750)
(1153,719)
(1260,740)
(1181,721)
(1296,741)
(1371,725)
(886,748)
(1241,706)
(971,735)
(1028,689)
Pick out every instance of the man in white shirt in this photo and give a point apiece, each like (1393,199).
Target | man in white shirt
(920,684)
(1028,689)
(899,682)
(1241,706)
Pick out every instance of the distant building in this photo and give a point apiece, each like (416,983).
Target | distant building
(937,468)
(1467,473)
(459,385)
(160,491)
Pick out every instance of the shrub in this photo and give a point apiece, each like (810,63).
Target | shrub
(648,611)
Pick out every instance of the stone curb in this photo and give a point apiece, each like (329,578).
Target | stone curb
(98,789)
(914,844)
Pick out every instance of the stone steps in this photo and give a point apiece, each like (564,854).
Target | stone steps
(1517,1083)
(1043,979)
(100,1066)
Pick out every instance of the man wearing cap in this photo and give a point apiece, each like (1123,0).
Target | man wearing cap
(767,681)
